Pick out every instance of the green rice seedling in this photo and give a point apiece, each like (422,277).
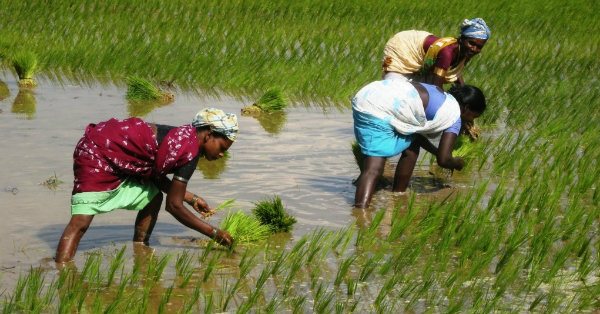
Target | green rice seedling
(369,265)
(315,272)
(273,305)
(401,222)
(323,300)
(342,238)
(91,269)
(298,303)
(141,89)
(343,269)
(274,99)
(244,228)
(115,263)
(351,285)
(228,204)
(202,258)
(184,268)
(271,213)
(189,303)
(165,299)
(25,63)
(209,303)
(212,262)
(156,267)
(282,256)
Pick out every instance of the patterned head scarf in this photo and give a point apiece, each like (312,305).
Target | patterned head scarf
(475,28)
(219,121)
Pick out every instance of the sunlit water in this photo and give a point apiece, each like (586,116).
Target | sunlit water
(308,164)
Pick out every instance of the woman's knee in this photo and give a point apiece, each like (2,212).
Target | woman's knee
(373,166)
(80,223)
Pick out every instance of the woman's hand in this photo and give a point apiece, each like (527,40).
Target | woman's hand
(223,238)
(200,206)
(459,163)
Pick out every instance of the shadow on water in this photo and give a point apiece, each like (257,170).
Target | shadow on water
(98,236)
(24,104)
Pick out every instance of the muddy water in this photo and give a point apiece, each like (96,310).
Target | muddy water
(304,157)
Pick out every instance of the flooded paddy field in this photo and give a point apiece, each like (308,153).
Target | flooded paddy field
(306,161)
(516,231)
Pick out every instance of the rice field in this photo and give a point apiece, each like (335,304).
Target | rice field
(523,238)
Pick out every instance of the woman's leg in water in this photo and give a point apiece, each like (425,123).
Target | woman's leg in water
(146,219)
(69,241)
(405,167)
(372,169)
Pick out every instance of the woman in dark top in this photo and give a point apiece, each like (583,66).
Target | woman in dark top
(123,164)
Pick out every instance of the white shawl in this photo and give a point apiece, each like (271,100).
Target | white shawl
(397,101)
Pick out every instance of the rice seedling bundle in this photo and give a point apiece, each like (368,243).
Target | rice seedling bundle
(25,63)
(274,99)
(271,213)
(142,89)
(463,146)
(245,228)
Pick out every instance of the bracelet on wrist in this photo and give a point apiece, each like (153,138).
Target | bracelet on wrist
(194,199)
(214,234)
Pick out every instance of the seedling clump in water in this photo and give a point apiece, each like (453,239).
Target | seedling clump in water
(272,214)
(273,100)
(141,89)
(25,63)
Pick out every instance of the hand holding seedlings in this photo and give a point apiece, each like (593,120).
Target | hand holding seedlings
(223,238)
(201,206)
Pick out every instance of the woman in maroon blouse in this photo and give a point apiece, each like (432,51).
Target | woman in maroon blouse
(123,165)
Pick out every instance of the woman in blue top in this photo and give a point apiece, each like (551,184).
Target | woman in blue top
(393,115)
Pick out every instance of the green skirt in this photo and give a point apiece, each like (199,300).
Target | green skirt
(131,194)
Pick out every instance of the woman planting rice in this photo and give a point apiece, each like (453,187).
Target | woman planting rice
(423,57)
(391,116)
(123,164)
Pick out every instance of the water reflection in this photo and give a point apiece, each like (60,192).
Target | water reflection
(24,104)
(140,108)
(212,169)
(4,92)
(271,122)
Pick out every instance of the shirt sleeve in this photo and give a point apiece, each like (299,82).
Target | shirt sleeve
(455,128)
(185,172)
(444,57)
